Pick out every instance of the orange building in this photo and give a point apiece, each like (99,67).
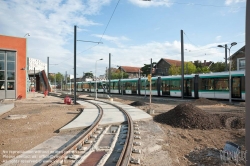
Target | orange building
(12,67)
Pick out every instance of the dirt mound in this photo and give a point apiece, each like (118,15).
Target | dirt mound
(188,115)
(232,121)
(138,103)
(204,101)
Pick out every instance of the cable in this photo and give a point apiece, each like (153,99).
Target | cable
(109,21)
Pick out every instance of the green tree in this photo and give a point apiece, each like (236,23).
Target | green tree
(218,67)
(174,70)
(56,77)
(119,74)
(189,68)
(146,68)
(202,69)
(88,75)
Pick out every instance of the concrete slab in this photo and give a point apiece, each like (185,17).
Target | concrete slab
(85,119)
(42,152)
(111,115)
(5,108)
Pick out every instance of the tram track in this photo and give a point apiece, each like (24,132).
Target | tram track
(64,156)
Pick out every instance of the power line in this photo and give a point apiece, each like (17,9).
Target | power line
(109,20)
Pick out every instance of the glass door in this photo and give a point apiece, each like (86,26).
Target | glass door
(7,74)
(187,87)
(166,88)
(236,87)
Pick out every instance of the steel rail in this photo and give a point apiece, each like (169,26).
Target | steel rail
(124,158)
(80,140)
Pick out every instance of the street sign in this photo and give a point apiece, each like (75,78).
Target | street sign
(149,77)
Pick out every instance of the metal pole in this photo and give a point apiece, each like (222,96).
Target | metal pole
(61,84)
(55,82)
(182,65)
(145,85)
(34,78)
(48,73)
(75,64)
(247,80)
(230,77)
(150,82)
(69,85)
(109,71)
(95,80)
(122,83)
(226,57)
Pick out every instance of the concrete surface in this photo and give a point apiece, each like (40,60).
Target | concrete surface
(111,115)
(5,108)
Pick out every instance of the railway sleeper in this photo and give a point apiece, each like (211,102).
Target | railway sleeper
(81,148)
(136,128)
(134,161)
(137,143)
(137,133)
(137,137)
(71,156)
(93,136)
(136,125)
(99,128)
(88,142)
(136,151)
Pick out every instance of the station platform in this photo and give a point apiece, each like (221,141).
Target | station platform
(111,115)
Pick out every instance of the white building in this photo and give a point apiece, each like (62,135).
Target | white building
(37,64)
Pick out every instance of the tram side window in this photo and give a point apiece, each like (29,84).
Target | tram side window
(128,86)
(221,84)
(175,85)
(207,84)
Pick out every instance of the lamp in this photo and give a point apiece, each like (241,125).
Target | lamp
(230,63)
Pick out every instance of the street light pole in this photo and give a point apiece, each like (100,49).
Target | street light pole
(230,63)
(96,79)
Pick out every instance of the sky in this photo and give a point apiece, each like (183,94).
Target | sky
(132,31)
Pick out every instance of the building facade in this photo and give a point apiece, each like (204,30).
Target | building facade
(12,67)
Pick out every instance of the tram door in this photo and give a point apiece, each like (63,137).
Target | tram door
(187,87)
(165,87)
(236,87)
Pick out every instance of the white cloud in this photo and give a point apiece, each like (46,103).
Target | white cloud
(229,2)
(218,38)
(50,23)
(144,3)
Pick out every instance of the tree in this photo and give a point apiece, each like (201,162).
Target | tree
(88,75)
(218,67)
(174,70)
(118,74)
(56,77)
(146,68)
(189,68)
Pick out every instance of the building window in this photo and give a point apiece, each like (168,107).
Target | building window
(241,64)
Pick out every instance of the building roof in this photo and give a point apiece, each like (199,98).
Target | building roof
(172,62)
(129,69)
(242,49)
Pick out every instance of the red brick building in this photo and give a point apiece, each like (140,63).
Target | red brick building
(12,67)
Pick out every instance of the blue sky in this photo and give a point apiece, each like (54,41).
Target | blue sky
(139,30)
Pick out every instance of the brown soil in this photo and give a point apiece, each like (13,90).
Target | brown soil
(187,115)
(162,144)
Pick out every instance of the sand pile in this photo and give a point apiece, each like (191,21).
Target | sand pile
(188,115)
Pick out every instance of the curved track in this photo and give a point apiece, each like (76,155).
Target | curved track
(60,157)
(124,159)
